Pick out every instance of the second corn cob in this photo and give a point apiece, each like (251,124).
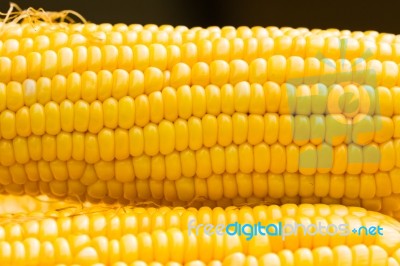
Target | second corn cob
(101,234)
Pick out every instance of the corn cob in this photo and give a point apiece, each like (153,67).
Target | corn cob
(104,235)
(172,115)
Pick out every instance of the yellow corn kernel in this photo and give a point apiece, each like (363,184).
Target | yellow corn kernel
(384,128)
(219,72)
(49,63)
(277,68)
(312,68)
(213,98)
(286,129)
(292,161)
(258,71)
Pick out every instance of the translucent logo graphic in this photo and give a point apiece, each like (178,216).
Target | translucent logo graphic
(349,92)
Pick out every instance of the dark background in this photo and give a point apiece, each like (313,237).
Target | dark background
(383,16)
